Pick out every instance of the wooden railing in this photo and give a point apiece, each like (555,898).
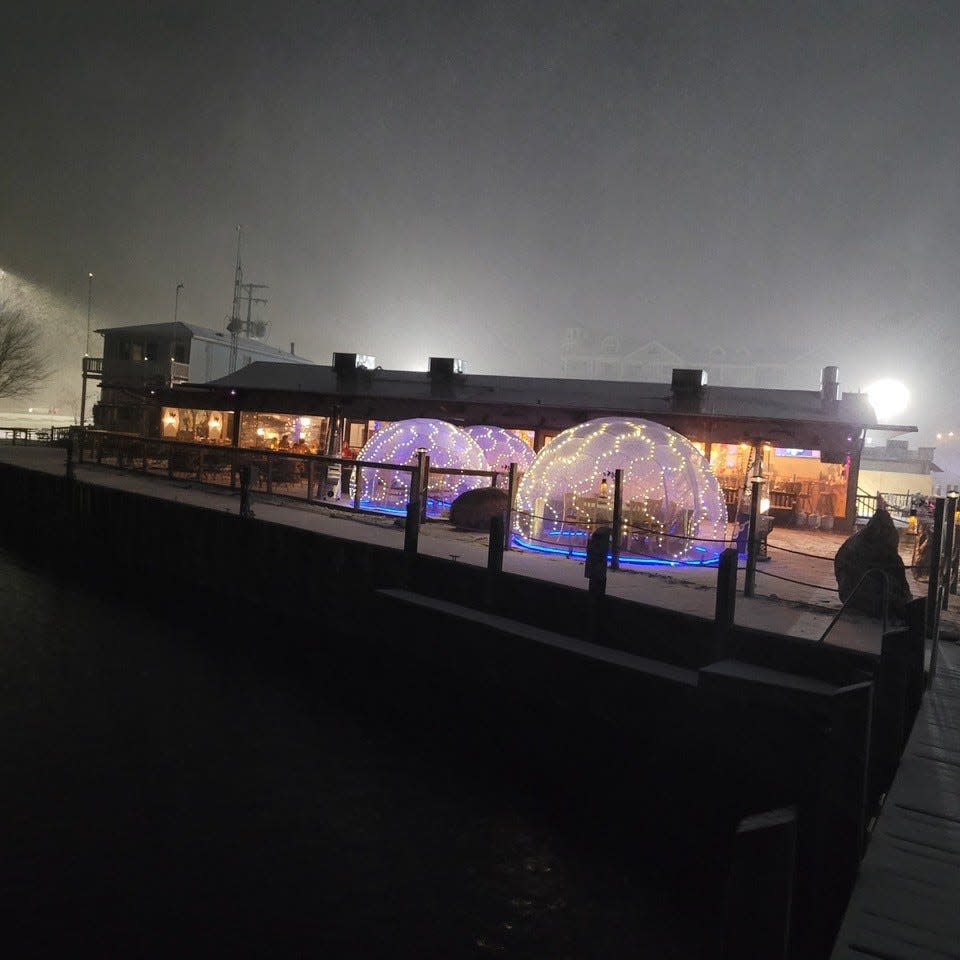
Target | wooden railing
(30,435)
(335,481)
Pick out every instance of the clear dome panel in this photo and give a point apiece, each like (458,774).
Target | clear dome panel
(501,448)
(673,509)
(447,446)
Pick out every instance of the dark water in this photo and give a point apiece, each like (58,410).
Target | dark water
(170,789)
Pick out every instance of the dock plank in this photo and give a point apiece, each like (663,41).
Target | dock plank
(906,903)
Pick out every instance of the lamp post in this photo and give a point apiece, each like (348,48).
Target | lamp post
(89,309)
(176,301)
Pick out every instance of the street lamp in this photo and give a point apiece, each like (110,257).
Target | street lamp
(176,301)
(89,306)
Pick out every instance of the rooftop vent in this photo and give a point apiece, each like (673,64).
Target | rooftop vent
(830,384)
(688,390)
(446,367)
(445,373)
(349,362)
(684,380)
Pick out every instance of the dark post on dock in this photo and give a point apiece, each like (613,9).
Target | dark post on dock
(595,568)
(511,502)
(949,538)
(411,531)
(495,545)
(245,476)
(753,538)
(617,522)
(933,585)
(726,606)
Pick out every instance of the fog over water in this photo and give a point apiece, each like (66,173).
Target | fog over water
(767,182)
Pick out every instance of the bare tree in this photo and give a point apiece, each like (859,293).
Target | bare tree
(23,367)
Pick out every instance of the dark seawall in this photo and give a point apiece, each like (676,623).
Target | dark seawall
(667,764)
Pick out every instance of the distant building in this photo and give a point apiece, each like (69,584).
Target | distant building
(895,468)
(602,355)
(147,357)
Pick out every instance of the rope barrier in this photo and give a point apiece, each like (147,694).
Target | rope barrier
(798,553)
(801,583)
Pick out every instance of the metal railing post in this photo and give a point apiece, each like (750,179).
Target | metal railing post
(423,462)
(70,442)
(950,520)
(936,563)
(726,606)
(753,538)
(511,503)
(495,545)
(411,530)
(617,519)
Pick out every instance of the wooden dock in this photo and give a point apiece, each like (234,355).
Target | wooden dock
(906,902)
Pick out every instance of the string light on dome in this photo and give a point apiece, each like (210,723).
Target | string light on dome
(673,506)
(501,447)
(447,447)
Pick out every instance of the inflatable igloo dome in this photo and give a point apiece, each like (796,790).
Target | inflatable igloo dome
(447,446)
(501,448)
(672,506)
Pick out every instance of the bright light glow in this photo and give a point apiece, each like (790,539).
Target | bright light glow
(673,507)
(448,447)
(889,399)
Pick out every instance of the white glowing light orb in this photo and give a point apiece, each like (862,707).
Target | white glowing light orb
(889,399)
(501,448)
(673,507)
(447,447)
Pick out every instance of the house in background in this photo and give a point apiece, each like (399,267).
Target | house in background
(140,359)
(603,355)
(895,468)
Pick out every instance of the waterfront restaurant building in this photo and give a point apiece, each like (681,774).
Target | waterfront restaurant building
(808,442)
(146,357)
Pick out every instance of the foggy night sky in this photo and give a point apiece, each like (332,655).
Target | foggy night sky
(472,179)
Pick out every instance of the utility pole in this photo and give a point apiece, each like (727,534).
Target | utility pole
(241,291)
(233,324)
(176,301)
(248,289)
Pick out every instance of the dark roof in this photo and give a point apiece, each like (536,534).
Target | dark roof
(179,328)
(729,414)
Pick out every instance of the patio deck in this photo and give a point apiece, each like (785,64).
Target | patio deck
(795,590)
